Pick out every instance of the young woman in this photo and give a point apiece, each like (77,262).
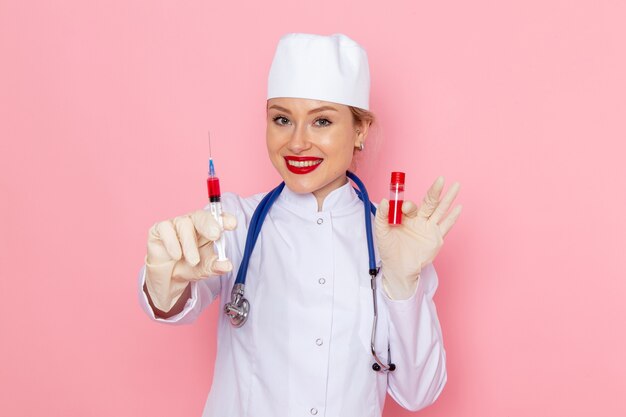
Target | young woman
(306,347)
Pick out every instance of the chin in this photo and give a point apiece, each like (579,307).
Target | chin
(300,185)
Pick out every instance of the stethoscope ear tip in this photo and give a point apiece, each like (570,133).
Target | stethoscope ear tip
(391,367)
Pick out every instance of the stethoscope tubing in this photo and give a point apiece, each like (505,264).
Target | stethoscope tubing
(368,207)
(254,230)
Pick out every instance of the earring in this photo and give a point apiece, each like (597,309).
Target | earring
(361,146)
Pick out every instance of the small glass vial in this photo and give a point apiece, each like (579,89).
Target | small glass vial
(396,198)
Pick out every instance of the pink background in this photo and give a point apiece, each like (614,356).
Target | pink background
(103,114)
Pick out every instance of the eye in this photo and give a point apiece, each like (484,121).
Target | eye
(323,122)
(280,120)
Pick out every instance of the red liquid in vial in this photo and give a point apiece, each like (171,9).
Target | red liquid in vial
(395,211)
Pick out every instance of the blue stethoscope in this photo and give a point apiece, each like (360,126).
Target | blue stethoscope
(238,308)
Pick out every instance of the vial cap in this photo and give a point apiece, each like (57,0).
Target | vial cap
(397,178)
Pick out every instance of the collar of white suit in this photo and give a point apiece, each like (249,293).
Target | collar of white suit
(338,200)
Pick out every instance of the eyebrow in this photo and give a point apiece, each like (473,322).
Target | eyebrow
(317,110)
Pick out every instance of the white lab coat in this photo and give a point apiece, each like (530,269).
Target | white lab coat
(305,349)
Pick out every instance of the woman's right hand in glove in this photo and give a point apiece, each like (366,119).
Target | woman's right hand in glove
(180,250)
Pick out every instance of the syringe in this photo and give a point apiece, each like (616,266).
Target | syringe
(215,197)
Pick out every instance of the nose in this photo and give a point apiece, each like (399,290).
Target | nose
(299,140)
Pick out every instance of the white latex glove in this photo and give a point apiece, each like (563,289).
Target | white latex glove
(405,249)
(180,250)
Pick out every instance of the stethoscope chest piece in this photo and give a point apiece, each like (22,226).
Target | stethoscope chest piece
(239,307)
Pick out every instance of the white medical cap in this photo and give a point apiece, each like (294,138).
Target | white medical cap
(329,68)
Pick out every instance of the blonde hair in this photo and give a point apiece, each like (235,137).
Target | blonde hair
(360,115)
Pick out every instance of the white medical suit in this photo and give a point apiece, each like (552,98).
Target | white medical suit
(305,349)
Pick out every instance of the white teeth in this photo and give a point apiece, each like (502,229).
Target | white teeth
(302,164)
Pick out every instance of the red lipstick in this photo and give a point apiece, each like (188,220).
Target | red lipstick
(293,163)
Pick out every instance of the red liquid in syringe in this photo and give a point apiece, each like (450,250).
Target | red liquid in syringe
(213,186)
(396,198)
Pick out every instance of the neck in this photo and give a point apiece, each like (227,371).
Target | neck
(321,194)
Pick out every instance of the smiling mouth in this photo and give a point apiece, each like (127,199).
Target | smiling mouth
(302,165)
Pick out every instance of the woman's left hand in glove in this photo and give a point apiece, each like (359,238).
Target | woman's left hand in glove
(405,249)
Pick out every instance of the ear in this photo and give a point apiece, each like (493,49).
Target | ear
(362,129)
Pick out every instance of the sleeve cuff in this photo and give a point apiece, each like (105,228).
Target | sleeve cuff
(145,304)
(426,285)
(408,303)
